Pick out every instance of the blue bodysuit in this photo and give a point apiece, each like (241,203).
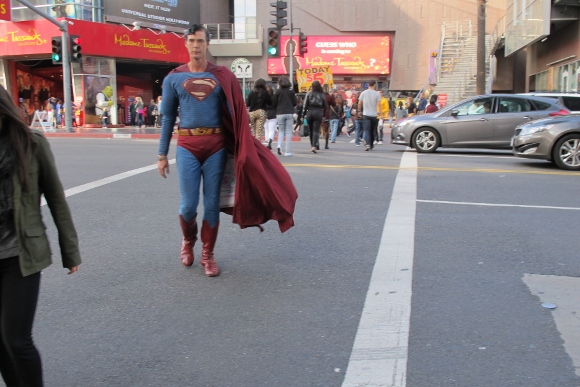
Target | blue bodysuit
(199,98)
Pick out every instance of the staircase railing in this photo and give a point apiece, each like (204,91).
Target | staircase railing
(464,79)
(453,31)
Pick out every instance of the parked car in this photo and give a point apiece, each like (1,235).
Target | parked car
(484,121)
(555,139)
(569,100)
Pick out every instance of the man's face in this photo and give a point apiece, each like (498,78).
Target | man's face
(422,95)
(197,45)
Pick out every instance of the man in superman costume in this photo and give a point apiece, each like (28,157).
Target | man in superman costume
(213,123)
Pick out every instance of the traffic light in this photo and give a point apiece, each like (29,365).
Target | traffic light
(56,49)
(75,49)
(302,44)
(273,42)
(279,13)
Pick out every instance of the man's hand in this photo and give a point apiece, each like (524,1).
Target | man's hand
(163,167)
(73,269)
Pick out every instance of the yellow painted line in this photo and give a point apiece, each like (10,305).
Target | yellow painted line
(477,170)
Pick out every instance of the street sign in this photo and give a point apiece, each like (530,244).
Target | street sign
(5,10)
(242,68)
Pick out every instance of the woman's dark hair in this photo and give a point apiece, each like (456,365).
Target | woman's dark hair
(197,27)
(260,84)
(284,82)
(17,133)
(316,87)
(433,99)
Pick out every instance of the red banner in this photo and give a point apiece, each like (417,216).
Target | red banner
(5,10)
(344,54)
(108,40)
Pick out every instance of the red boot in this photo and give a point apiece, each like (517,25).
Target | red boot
(208,238)
(189,230)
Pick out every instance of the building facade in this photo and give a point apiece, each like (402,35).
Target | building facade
(130,45)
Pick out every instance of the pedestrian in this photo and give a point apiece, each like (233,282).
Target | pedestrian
(133,112)
(432,107)
(400,112)
(314,106)
(422,103)
(160,116)
(271,120)
(335,117)
(257,101)
(27,170)
(139,110)
(347,119)
(213,123)
(369,105)
(298,117)
(383,117)
(284,101)
(392,108)
(150,110)
(411,107)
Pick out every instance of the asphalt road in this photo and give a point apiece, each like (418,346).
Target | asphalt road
(286,309)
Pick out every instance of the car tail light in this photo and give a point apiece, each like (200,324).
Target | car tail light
(561,112)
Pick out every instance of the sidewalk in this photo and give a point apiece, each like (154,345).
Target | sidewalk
(124,132)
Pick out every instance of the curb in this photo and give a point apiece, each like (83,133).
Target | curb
(135,136)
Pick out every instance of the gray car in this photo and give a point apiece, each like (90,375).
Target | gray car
(485,121)
(555,139)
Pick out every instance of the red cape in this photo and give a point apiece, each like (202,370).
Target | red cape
(264,189)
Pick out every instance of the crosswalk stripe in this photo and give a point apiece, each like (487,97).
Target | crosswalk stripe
(380,350)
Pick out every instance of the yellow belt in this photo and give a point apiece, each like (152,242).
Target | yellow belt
(199,131)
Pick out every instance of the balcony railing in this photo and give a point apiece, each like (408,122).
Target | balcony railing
(234,33)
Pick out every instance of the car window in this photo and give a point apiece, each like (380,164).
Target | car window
(514,105)
(541,105)
(475,106)
(572,103)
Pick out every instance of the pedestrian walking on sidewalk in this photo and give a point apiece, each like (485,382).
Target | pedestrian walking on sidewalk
(257,101)
(271,120)
(314,108)
(213,123)
(27,170)
(369,104)
(284,102)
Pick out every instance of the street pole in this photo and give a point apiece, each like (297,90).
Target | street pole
(480,77)
(291,75)
(65,61)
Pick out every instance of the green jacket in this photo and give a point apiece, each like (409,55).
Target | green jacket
(43,178)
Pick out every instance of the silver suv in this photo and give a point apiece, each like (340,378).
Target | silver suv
(569,100)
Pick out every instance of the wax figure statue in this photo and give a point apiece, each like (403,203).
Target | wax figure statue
(214,122)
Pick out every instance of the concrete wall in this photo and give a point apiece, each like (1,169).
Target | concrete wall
(416,27)
(560,44)
(214,11)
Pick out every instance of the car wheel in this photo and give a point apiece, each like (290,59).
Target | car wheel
(425,140)
(566,152)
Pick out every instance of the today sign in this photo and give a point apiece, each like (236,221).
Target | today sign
(5,10)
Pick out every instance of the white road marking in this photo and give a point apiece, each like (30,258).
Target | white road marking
(499,205)
(565,293)
(379,353)
(107,180)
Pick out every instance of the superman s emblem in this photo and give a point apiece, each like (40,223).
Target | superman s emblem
(199,88)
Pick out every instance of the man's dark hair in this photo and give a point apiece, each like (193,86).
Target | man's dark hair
(372,83)
(284,82)
(197,27)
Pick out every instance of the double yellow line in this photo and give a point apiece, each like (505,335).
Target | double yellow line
(476,170)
